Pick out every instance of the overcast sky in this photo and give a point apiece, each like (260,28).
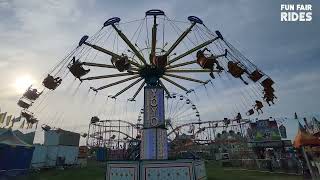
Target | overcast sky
(36,34)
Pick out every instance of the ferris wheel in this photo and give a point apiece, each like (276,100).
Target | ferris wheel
(122,58)
(179,110)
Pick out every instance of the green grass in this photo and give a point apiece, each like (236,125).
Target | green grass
(95,171)
(215,172)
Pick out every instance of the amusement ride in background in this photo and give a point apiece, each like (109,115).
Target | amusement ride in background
(154,52)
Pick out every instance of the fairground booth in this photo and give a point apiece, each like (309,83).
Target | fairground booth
(272,151)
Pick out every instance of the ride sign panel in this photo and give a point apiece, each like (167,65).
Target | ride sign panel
(153,107)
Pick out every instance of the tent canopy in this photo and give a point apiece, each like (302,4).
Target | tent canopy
(15,154)
(9,138)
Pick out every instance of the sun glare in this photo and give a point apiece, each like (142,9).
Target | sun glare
(22,83)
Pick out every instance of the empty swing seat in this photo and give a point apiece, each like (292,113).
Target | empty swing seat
(255,75)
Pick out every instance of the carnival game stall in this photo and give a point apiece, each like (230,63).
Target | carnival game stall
(269,149)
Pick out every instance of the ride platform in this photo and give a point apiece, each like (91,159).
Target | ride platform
(156,170)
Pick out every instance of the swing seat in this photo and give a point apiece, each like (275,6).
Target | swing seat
(259,106)
(250,112)
(267,82)
(121,64)
(160,61)
(255,75)
(51,83)
(235,70)
(23,104)
(77,70)
(269,95)
(205,62)
(32,120)
(31,94)
(26,115)
(268,90)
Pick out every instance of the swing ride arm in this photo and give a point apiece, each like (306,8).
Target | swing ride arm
(190,70)
(180,38)
(176,84)
(195,61)
(137,92)
(101,49)
(98,65)
(193,50)
(128,87)
(164,87)
(128,42)
(186,78)
(109,76)
(182,64)
(115,83)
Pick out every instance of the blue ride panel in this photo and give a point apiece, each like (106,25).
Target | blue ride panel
(154,144)
(122,170)
(153,107)
(156,170)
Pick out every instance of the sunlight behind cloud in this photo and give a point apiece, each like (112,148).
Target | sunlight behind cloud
(23,82)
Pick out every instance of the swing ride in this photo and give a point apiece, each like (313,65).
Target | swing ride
(196,58)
